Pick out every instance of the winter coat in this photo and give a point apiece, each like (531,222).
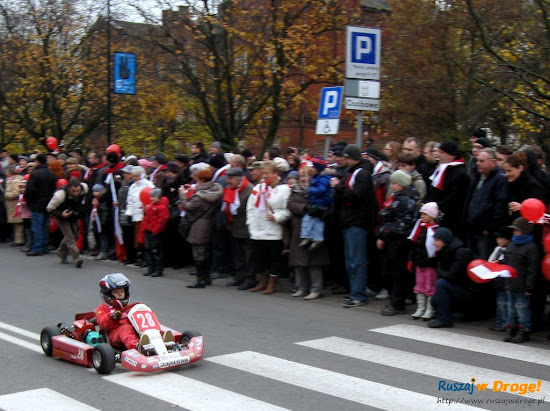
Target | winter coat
(451,198)
(259,226)
(62,201)
(40,188)
(134,206)
(320,192)
(357,205)
(420,185)
(452,262)
(155,216)
(523,188)
(238,226)
(105,208)
(122,196)
(380,179)
(490,208)
(525,259)
(11,197)
(425,169)
(200,208)
(301,257)
(418,253)
(399,217)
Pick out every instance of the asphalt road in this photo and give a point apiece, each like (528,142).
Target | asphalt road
(262,352)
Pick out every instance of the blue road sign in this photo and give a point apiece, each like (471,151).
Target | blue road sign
(330,103)
(363,53)
(124,73)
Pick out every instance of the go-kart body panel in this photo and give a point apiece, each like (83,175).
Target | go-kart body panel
(72,350)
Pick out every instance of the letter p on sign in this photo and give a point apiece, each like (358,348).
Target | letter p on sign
(331,102)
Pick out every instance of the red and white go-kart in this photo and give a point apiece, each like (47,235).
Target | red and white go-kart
(85,344)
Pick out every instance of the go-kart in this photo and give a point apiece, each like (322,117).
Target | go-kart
(86,344)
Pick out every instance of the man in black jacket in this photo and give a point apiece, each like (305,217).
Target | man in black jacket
(356,205)
(486,208)
(40,189)
(453,287)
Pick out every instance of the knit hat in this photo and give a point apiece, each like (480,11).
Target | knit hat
(479,133)
(432,209)
(293,174)
(173,167)
(217,161)
(161,158)
(523,225)
(374,153)
(127,168)
(281,164)
(216,144)
(504,232)
(402,178)
(484,142)
(112,157)
(449,147)
(353,152)
(155,193)
(98,187)
(195,168)
(182,159)
(444,234)
(319,164)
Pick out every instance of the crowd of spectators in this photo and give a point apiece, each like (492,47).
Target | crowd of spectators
(400,225)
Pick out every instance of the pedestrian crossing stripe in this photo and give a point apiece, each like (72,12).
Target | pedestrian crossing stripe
(421,364)
(332,383)
(467,342)
(39,399)
(189,393)
(22,343)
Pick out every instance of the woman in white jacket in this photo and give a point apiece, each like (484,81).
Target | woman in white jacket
(134,206)
(266,210)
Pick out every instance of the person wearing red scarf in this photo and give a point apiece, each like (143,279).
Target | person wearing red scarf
(235,197)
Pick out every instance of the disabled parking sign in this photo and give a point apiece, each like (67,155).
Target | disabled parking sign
(330,106)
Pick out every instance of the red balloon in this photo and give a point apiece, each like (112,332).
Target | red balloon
(61,182)
(546,243)
(473,277)
(114,148)
(51,143)
(532,209)
(26,177)
(545,267)
(144,195)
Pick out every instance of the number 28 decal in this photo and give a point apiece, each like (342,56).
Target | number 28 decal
(146,320)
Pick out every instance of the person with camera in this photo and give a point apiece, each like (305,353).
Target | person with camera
(65,206)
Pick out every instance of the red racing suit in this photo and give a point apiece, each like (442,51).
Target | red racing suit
(119,332)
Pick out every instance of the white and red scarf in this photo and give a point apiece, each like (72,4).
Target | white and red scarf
(263,195)
(19,205)
(91,170)
(350,182)
(153,175)
(220,172)
(378,167)
(438,177)
(94,216)
(430,231)
(231,200)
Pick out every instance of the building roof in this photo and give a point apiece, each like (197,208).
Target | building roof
(375,5)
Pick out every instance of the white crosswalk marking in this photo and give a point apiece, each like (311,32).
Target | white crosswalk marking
(41,399)
(22,343)
(328,382)
(467,342)
(421,364)
(20,331)
(188,393)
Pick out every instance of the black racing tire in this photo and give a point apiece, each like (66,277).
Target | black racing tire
(103,358)
(46,336)
(187,336)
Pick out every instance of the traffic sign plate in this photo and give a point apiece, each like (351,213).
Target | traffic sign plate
(327,126)
(365,104)
(363,53)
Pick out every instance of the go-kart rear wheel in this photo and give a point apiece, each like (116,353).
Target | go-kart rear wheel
(187,336)
(46,336)
(103,358)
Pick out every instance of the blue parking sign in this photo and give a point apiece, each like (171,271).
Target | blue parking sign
(330,103)
(363,53)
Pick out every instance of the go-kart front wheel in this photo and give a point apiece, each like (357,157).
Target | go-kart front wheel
(46,336)
(187,336)
(103,358)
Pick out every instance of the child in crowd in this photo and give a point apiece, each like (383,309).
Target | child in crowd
(398,217)
(319,200)
(503,236)
(112,315)
(521,254)
(423,261)
(407,162)
(156,216)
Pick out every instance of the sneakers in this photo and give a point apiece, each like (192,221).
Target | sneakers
(101,256)
(299,293)
(439,324)
(78,262)
(521,337)
(168,336)
(371,293)
(352,302)
(312,296)
(315,246)
(498,327)
(143,341)
(382,295)
(305,242)
(61,256)
(391,310)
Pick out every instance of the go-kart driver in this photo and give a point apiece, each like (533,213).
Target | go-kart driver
(111,315)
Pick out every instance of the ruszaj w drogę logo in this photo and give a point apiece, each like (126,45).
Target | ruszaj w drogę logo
(498,386)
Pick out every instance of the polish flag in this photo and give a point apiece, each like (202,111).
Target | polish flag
(482,271)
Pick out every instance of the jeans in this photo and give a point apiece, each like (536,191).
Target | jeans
(154,253)
(447,297)
(355,251)
(40,226)
(519,310)
(482,245)
(312,227)
(502,308)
